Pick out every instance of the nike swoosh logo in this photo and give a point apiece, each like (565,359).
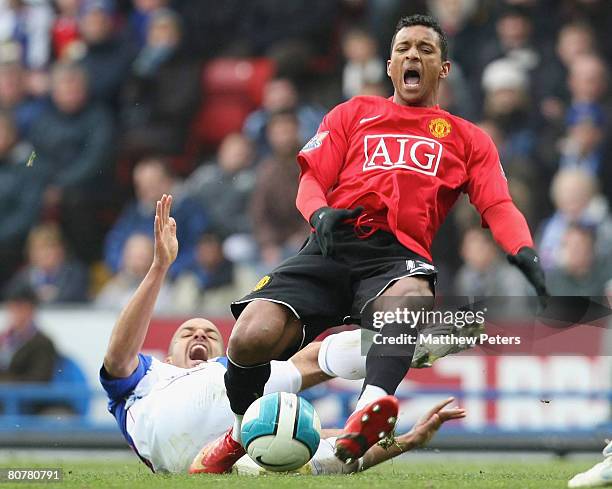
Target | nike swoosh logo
(258,458)
(366,119)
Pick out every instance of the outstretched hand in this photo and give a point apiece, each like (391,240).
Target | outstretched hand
(425,428)
(166,244)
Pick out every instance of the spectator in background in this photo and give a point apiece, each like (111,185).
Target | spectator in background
(507,104)
(211,281)
(224,186)
(574,41)
(140,16)
(28,24)
(576,199)
(279,228)
(382,15)
(485,272)
(136,258)
(211,28)
(457,19)
(14,96)
(50,272)
(596,12)
(362,63)
(292,33)
(521,176)
(26,354)
(588,83)
(65,35)
(514,40)
(209,266)
(73,139)
(20,196)
(583,145)
(375,89)
(152,178)
(162,92)
(579,272)
(279,95)
(454,94)
(107,56)
(300,28)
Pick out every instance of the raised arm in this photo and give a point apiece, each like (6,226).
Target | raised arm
(128,335)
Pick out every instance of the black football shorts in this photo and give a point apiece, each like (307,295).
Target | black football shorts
(324,292)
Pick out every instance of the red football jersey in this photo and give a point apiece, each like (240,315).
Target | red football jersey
(405,165)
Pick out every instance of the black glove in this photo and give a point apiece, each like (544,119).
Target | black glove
(528,262)
(325,219)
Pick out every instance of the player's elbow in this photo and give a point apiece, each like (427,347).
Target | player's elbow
(119,366)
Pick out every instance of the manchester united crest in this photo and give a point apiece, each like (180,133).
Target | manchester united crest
(262,283)
(439,128)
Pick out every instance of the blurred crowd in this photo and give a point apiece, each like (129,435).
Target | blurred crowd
(105,106)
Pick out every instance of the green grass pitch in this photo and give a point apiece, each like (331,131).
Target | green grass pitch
(420,474)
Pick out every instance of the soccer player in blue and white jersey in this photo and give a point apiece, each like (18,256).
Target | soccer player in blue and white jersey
(167,411)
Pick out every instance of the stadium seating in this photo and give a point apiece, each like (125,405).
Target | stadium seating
(67,390)
(232,88)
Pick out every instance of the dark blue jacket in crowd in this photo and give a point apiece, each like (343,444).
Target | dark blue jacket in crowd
(21,189)
(74,150)
(191,222)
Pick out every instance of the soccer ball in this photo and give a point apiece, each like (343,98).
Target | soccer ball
(281,431)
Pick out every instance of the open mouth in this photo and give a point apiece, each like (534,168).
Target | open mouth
(198,352)
(412,78)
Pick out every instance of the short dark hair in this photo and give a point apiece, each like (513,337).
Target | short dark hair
(584,229)
(281,114)
(514,11)
(159,160)
(427,21)
(19,290)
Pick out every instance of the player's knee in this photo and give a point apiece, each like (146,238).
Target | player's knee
(256,333)
(251,339)
(411,287)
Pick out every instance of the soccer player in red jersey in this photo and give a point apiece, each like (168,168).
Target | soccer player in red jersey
(377,180)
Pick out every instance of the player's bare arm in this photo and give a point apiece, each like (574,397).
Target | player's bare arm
(420,434)
(128,335)
(326,464)
(307,363)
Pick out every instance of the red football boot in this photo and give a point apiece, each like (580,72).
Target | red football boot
(217,457)
(365,427)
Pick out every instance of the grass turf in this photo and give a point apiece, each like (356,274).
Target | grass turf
(453,474)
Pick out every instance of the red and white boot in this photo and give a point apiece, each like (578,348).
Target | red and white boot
(366,427)
(218,457)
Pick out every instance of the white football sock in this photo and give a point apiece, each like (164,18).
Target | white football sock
(237,427)
(284,377)
(340,355)
(370,394)
(607,451)
(325,462)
